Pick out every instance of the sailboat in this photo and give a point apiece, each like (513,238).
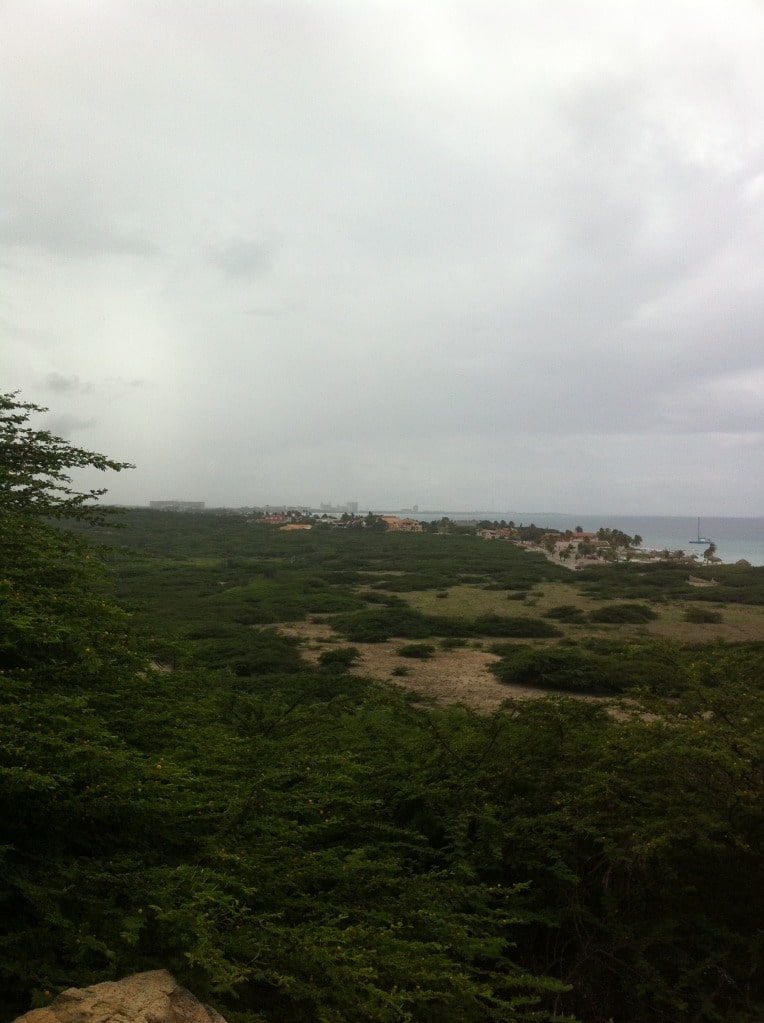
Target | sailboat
(700,539)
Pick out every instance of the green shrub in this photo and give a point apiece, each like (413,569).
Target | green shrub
(623,614)
(573,670)
(517,628)
(379,624)
(703,616)
(339,657)
(413,581)
(600,668)
(565,613)
(246,652)
(419,651)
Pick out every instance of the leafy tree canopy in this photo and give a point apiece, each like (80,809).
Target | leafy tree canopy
(34,467)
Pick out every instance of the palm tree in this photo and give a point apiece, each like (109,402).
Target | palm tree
(709,551)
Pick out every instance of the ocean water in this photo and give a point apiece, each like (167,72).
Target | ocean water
(735,538)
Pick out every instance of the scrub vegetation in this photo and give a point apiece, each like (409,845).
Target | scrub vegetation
(184,784)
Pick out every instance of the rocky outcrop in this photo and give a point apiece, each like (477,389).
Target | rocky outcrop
(152,997)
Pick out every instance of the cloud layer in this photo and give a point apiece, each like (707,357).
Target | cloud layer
(464,255)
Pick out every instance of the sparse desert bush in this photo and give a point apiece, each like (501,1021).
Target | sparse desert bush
(596,668)
(379,624)
(565,613)
(411,582)
(703,616)
(340,657)
(248,652)
(517,628)
(418,651)
(623,614)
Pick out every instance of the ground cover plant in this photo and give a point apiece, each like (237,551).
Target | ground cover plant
(623,613)
(420,651)
(661,581)
(703,616)
(595,667)
(565,613)
(298,843)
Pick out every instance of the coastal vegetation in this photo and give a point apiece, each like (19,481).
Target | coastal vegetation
(200,770)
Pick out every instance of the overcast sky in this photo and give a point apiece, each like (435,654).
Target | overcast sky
(463,254)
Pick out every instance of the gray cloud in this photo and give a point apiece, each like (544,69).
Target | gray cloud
(71,230)
(66,384)
(453,254)
(68,425)
(244,257)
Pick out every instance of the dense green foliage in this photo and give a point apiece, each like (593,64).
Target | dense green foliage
(622,613)
(661,581)
(33,468)
(596,667)
(703,616)
(419,651)
(299,844)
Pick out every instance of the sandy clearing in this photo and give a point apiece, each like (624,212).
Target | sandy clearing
(460,676)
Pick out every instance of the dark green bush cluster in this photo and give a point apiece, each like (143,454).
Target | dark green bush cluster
(613,614)
(593,668)
(382,623)
(566,613)
(401,621)
(703,616)
(634,581)
(419,651)
(342,657)
(453,642)
(662,582)
(521,627)
(246,651)
(413,581)
(623,614)
(268,601)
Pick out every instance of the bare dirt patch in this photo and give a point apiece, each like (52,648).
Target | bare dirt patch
(461,675)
